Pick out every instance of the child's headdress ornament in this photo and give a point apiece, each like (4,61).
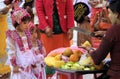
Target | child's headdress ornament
(31,26)
(18,14)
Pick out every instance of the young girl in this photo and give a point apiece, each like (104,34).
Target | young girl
(19,45)
(39,52)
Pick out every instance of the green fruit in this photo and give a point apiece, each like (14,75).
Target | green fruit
(70,62)
(74,68)
(63,66)
(92,68)
(81,67)
(67,67)
(76,65)
(86,68)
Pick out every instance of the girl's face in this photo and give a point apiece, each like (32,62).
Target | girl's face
(34,34)
(112,16)
(24,25)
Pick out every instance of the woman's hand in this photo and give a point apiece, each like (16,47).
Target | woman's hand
(87,48)
(70,33)
(48,32)
(100,33)
(6,9)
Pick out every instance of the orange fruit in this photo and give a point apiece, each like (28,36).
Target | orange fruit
(67,52)
(77,52)
(74,58)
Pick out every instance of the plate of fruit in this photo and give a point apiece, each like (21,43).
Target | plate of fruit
(69,59)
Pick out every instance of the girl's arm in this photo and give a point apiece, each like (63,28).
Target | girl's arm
(11,49)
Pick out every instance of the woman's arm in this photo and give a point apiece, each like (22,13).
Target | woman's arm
(40,9)
(5,10)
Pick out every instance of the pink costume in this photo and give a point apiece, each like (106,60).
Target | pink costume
(21,52)
(39,53)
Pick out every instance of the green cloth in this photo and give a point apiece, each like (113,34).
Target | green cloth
(49,70)
(56,25)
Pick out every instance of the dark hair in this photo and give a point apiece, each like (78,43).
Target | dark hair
(115,6)
(24,19)
(30,3)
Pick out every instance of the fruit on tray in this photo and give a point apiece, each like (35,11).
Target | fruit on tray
(86,61)
(86,44)
(52,61)
(49,60)
(4,69)
(74,58)
(76,66)
(58,57)
(71,59)
(67,52)
(77,52)
(67,65)
(58,64)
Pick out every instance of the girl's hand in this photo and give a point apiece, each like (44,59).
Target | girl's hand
(70,33)
(15,69)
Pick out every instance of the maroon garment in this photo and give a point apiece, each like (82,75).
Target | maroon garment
(115,77)
(110,43)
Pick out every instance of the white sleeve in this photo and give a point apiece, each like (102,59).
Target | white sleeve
(44,51)
(11,48)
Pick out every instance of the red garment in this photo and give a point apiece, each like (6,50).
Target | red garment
(57,41)
(93,16)
(95,41)
(44,10)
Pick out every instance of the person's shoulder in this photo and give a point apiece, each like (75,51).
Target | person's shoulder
(114,29)
(116,26)
(11,33)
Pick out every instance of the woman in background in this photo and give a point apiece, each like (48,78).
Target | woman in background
(110,42)
(4,9)
(56,20)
